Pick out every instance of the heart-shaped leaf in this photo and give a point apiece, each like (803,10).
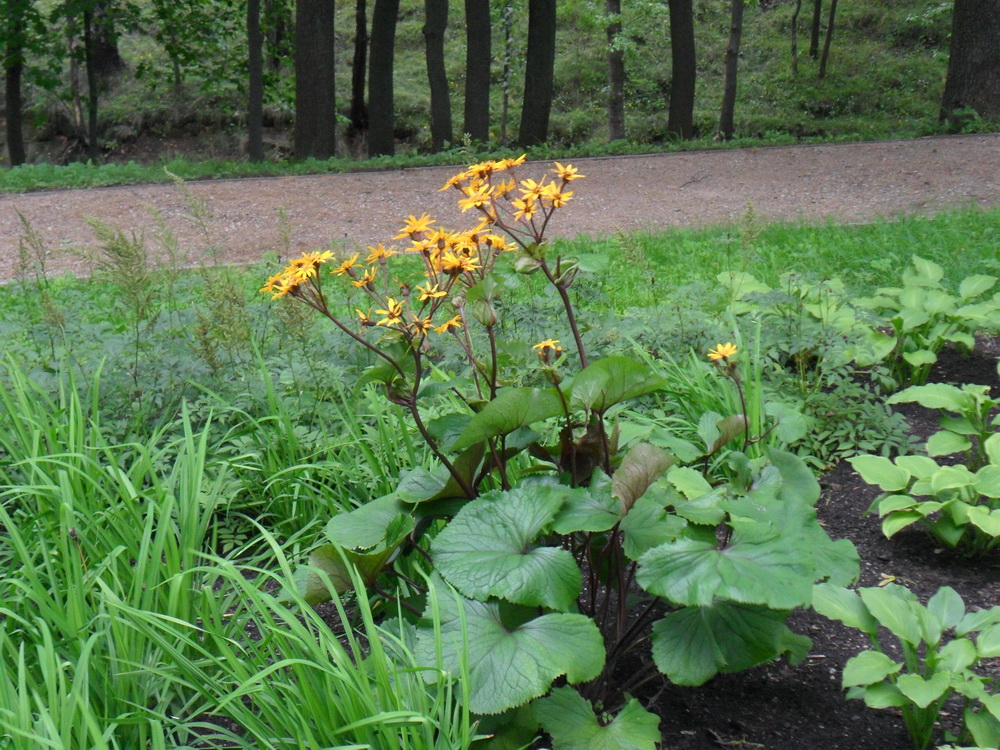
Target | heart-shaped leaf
(867,668)
(488,550)
(648,525)
(839,603)
(571,722)
(508,666)
(694,644)
(642,465)
(923,692)
(511,409)
(612,380)
(881,471)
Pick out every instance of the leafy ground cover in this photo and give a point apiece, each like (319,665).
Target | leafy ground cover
(179,419)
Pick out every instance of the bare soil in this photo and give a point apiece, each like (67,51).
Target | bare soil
(842,182)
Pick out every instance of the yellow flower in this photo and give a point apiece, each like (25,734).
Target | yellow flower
(511,163)
(567,173)
(722,351)
(415,227)
(392,314)
(365,318)
(475,197)
(421,326)
(379,253)
(555,195)
(531,189)
(450,325)
(456,181)
(526,209)
(456,263)
(547,345)
(279,284)
(430,292)
(366,278)
(347,265)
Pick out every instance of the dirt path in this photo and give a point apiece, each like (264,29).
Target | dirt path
(846,182)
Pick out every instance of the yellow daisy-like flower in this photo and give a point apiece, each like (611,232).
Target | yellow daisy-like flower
(365,318)
(556,196)
(455,181)
(415,227)
(475,197)
(450,325)
(567,173)
(525,209)
(511,163)
(456,263)
(547,345)
(379,253)
(392,314)
(429,292)
(421,326)
(531,189)
(366,278)
(722,351)
(347,265)
(280,284)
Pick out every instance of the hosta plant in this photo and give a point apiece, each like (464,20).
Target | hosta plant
(570,552)
(959,504)
(936,650)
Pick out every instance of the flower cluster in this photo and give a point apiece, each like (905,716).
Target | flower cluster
(514,216)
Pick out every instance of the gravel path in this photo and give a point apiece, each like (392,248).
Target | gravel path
(846,182)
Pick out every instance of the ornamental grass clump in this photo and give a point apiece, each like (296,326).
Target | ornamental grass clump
(550,542)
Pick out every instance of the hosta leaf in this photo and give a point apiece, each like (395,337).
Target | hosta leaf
(948,606)
(509,666)
(648,525)
(923,692)
(986,521)
(992,448)
(839,603)
(919,467)
(881,695)
(988,481)
(612,380)
(957,655)
(773,572)
(978,620)
(487,550)
(899,520)
(893,606)
(988,642)
(694,644)
(571,722)
(511,409)
(935,396)
(973,286)
(867,668)
(920,357)
(642,465)
(928,272)
(881,471)
(946,442)
(984,726)
(952,477)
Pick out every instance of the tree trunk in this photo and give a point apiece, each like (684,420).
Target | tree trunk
(795,37)
(539,69)
(817,21)
(732,71)
(93,145)
(974,65)
(255,68)
(359,112)
(684,69)
(315,133)
(276,20)
(435,25)
(381,125)
(616,73)
(828,40)
(508,67)
(107,59)
(13,64)
(479,42)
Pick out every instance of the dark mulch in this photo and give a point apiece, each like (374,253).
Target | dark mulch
(779,707)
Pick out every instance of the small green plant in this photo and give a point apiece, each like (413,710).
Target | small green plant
(923,669)
(959,504)
(924,316)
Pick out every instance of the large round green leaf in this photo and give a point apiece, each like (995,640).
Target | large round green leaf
(612,380)
(571,722)
(511,409)
(509,666)
(694,644)
(488,550)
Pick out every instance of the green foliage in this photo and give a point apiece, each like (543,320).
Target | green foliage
(959,504)
(932,669)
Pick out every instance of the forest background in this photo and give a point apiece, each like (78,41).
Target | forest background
(117,80)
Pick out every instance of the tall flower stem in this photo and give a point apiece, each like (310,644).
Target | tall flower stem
(568,306)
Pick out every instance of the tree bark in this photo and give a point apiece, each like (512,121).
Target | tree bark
(13,64)
(315,133)
(381,125)
(616,73)
(93,144)
(508,67)
(539,70)
(107,59)
(478,56)
(974,64)
(684,69)
(359,112)
(817,21)
(255,95)
(727,115)
(795,36)
(435,25)
(828,40)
